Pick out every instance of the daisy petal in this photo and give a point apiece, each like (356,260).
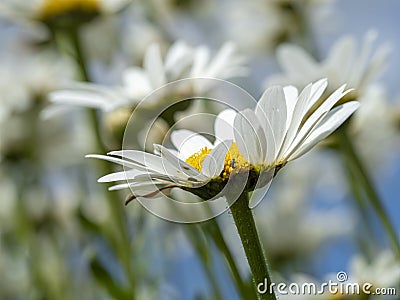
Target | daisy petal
(262,187)
(181,165)
(317,115)
(214,162)
(150,161)
(250,137)
(154,177)
(291,94)
(118,176)
(80,98)
(154,67)
(223,126)
(317,89)
(298,115)
(272,107)
(136,83)
(324,107)
(201,59)
(329,124)
(119,161)
(298,142)
(188,142)
(136,185)
(177,59)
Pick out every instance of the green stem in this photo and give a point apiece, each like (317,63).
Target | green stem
(365,181)
(245,224)
(360,202)
(79,54)
(123,245)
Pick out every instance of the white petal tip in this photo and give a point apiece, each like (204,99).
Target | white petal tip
(117,153)
(324,80)
(253,202)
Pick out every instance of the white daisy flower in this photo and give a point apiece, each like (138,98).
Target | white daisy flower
(181,61)
(374,124)
(271,22)
(39,73)
(382,272)
(196,162)
(49,10)
(288,118)
(345,63)
(280,129)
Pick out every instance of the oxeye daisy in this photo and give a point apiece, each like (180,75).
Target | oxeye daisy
(197,163)
(254,142)
(281,128)
(61,13)
(285,124)
(181,61)
(348,62)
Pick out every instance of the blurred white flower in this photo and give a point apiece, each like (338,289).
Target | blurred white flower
(375,124)
(382,271)
(28,77)
(253,25)
(138,28)
(40,18)
(345,63)
(42,9)
(181,61)
(260,26)
(25,80)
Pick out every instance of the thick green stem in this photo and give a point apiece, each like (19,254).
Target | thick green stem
(365,181)
(245,224)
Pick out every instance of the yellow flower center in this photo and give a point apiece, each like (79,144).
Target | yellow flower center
(51,8)
(196,159)
(234,160)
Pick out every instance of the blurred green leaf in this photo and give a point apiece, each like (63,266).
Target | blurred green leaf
(105,279)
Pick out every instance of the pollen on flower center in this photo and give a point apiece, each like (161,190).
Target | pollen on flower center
(234,160)
(196,159)
(51,8)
